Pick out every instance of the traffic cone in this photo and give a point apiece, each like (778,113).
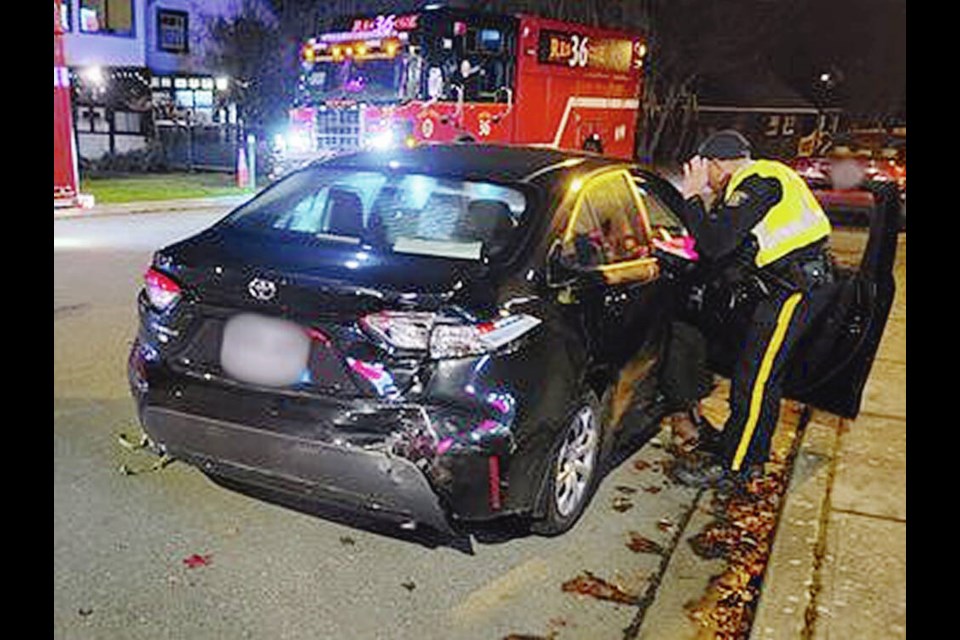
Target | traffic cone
(243,174)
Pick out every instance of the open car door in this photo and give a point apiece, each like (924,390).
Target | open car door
(830,365)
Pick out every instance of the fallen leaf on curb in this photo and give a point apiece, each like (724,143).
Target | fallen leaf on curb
(640,465)
(640,544)
(347,540)
(161,463)
(621,504)
(653,489)
(409,586)
(625,489)
(197,560)
(524,636)
(590,585)
(126,471)
(742,535)
(664,525)
(124,441)
(84,612)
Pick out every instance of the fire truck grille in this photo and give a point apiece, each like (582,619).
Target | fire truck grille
(338,129)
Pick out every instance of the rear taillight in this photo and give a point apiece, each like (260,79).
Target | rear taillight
(419,331)
(400,329)
(460,340)
(162,292)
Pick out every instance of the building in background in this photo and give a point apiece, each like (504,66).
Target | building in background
(105,51)
(137,66)
(779,121)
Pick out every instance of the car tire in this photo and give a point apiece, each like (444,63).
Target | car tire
(574,469)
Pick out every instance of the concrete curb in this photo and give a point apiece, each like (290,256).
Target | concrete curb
(152,206)
(790,581)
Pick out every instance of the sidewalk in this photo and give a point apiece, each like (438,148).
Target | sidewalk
(155,206)
(838,563)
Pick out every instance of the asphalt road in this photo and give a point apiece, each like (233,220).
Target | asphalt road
(273,571)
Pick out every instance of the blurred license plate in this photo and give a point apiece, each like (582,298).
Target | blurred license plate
(265,351)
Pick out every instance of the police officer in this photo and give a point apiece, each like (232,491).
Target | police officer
(759,222)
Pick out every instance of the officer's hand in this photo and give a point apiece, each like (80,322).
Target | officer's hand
(695,180)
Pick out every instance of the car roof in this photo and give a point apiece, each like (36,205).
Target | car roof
(496,162)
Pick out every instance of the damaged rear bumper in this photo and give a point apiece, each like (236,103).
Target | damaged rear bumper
(378,481)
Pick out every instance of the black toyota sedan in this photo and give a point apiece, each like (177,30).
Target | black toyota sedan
(434,335)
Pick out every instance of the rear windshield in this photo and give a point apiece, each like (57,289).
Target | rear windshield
(402,212)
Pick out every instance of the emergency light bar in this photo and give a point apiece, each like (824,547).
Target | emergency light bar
(369,50)
(352,36)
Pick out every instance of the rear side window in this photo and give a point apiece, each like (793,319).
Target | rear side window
(407,213)
(608,228)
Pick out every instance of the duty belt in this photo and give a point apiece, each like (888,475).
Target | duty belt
(804,273)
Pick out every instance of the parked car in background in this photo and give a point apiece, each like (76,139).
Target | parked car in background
(435,335)
(841,178)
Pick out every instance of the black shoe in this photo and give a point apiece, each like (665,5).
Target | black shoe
(709,438)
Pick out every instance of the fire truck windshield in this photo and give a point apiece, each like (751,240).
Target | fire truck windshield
(373,80)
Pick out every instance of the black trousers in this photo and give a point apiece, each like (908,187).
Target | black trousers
(685,378)
(778,322)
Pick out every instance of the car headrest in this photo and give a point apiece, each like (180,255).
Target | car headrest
(490,216)
(345,213)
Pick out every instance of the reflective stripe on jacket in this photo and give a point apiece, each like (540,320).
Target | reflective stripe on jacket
(796,221)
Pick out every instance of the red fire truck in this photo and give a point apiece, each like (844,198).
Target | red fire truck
(446,74)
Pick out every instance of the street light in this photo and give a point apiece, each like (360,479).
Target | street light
(93,75)
(823,88)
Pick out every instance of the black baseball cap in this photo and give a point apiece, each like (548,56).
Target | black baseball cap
(724,145)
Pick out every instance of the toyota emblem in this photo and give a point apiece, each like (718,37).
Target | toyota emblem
(262,289)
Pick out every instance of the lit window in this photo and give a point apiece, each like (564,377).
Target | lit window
(107,16)
(65,15)
(127,122)
(490,40)
(203,98)
(172,31)
(184,99)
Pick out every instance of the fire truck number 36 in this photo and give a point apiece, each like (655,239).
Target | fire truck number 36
(578,57)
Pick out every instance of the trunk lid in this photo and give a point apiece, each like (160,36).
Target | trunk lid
(324,288)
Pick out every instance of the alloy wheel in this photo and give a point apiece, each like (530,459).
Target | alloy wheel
(576,461)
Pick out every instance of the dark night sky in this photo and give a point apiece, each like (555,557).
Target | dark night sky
(863,40)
